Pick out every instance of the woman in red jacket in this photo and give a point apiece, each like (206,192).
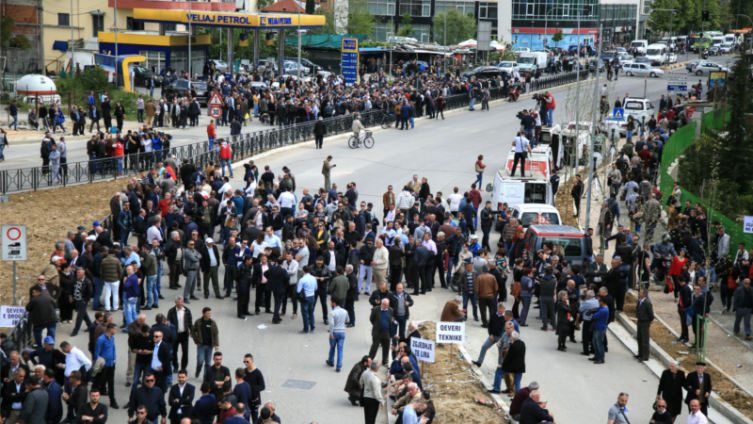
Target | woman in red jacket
(675,270)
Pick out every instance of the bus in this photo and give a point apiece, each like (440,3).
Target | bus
(700,42)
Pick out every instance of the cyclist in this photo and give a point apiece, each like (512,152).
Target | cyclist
(358,129)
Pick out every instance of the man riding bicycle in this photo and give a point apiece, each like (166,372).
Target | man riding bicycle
(358,129)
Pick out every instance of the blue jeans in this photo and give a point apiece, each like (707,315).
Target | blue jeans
(472,297)
(598,341)
(629,136)
(99,285)
(14,124)
(151,291)
(119,161)
(158,283)
(138,369)
(92,165)
(487,344)
(203,355)
(50,326)
(498,379)
(473,102)
(129,307)
(742,314)
(211,143)
(226,162)
(450,264)
(338,342)
(550,113)
(307,310)
(479,179)
(400,326)
(2,147)
(124,233)
(256,110)
(411,122)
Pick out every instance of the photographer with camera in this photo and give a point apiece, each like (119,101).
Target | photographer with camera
(527,122)
(550,106)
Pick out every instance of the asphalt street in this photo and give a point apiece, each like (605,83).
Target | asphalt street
(444,152)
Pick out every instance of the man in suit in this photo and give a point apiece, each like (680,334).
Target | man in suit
(597,271)
(180,398)
(645,314)
(162,364)
(181,320)
(381,328)
(277,282)
(400,302)
(14,394)
(420,261)
(168,335)
(698,386)
(210,265)
(700,310)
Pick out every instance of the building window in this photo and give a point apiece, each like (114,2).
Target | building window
(64,19)
(464,7)
(381,31)
(154,59)
(421,32)
(566,10)
(98,24)
(529,9)
(487,10)
(133,25)
(416,7)
(170,27)
(382,7)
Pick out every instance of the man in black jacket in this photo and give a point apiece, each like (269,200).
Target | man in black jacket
(352,295)
(149,396)
(319,131)
(277,282)
(533,411)
(180,398)
(210,264)
(182,329)
(77,397)
(323,276)
(82,293)
(577,193)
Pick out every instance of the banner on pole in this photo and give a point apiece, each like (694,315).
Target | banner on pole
(423,349)
(11,315)
(451,332)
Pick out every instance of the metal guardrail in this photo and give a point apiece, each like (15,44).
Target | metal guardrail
(20,336)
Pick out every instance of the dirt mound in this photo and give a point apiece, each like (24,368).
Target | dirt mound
(454,386)
(48,216)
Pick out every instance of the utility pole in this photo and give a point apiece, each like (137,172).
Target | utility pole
(115,13)
(189,41)
(591,170)
(299,41)
(73,44)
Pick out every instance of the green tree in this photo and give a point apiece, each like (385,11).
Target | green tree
(7,38)
(460,27)
(406,29)
(558,36)
(329,22)
(688,18)
(743,7)
(360,19)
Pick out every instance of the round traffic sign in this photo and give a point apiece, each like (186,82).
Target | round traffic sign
(215,112)
(17,233)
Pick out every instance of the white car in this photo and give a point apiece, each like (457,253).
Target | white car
(725,48)
(619,125)
(220,65)
(642,70)
(517,51)
(508,66)
(291,68)
(672,58)
(625,58)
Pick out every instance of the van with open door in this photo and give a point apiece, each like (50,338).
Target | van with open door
(533,188)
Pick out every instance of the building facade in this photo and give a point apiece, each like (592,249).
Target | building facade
(524,23)
(64,28)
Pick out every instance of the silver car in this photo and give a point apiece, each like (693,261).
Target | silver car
(508,67)
(704,67)
(641,70)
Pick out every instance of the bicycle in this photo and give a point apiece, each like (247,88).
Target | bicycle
(354,142)
(387,120)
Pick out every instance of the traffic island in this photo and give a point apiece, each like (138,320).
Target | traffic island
(458,388)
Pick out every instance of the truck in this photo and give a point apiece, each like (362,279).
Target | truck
(532,187)
(532,61)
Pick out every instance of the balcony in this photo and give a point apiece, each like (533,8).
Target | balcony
(207,6)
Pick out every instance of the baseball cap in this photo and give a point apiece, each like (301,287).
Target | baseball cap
(167,174)
(80,227)
(209,240)
(96,223)
(49,340)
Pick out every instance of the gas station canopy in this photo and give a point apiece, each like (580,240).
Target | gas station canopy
(229,20)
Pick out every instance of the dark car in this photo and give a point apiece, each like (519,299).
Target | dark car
(592,66)
(179,88)
(141,75)
(483,72)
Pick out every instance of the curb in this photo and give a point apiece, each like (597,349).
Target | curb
(715,401)
(673,67)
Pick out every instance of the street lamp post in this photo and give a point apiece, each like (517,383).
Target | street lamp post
(299,40)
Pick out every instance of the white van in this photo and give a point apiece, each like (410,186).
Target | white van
(640,46)
(717,41)
(529,214)
(532,61)
(518,190)
(540,159)
(658,54)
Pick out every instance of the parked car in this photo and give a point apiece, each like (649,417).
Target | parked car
(672,58)
(220,65)
(691,65)
(141,75)
(485,72)
(291,68)
(714,51)
(642,70)
(592,66)
(180,86)
(305,62)
(726,48)
(570,239)
(508,66)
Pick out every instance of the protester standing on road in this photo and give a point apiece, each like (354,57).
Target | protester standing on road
(326,167)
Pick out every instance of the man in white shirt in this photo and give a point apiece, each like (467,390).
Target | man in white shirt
(287,203)
(695,416)
(74,359)
(454,200)
(522,147)
(155,231)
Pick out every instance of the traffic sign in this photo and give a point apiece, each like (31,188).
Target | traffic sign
(14,242)
(215,112)
(679,78)
(677,86)
(215,100)
(619,113)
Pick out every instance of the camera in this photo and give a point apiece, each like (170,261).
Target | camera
(521,114)
(538,97)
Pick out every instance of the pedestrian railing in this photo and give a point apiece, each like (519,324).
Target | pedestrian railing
(20,337)
(243,146)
